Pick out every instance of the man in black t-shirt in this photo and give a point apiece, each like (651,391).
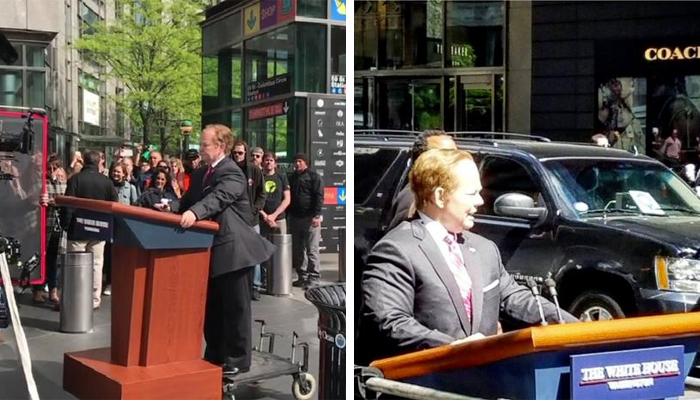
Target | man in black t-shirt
(272,216)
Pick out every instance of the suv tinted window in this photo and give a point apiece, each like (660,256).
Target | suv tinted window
(500,176)
(371,165)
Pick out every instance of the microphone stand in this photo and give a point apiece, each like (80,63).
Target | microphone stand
(552,286)
(536,291)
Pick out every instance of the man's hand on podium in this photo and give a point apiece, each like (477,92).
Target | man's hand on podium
(468,339)
(188,219)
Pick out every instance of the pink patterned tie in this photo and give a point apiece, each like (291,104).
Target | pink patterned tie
(459,270)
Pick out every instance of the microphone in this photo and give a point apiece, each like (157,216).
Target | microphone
(552,286)
(536,291)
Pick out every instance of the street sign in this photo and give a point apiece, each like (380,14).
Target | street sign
(327,144)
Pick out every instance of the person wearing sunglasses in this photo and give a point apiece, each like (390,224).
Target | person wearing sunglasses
(257,196)
(256,156)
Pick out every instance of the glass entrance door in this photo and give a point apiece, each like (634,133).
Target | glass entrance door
(410,104)
(480,103)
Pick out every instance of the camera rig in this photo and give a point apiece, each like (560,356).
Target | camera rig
(16,139)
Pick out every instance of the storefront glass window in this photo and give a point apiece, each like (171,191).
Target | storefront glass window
(474,33)
(409,104)
(399,34)
(210,82)
(270,134)
(230,77)
(312,8)
(310,74)
(269,60)
(366,35)
(338,60)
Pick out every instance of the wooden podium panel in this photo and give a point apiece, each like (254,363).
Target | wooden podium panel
(93,376)
(157,307)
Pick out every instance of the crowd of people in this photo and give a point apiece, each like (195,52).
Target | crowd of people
(152,180)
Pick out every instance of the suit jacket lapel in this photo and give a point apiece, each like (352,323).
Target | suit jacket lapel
(473,263)
(437,260)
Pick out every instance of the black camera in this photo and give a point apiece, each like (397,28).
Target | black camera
(16,138)
(12,249)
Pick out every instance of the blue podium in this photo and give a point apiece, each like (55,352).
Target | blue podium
(647,357)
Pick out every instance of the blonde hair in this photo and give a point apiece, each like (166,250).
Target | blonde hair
(432,170)
(223,136)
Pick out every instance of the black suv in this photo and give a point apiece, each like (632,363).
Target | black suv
(618,232)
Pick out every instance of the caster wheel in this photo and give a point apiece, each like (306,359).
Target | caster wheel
(304,386)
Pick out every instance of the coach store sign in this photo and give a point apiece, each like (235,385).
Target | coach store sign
(672,53)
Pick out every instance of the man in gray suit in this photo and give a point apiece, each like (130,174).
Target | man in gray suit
(430,282)
(218,192)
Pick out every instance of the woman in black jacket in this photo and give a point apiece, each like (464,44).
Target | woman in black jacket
(161,188)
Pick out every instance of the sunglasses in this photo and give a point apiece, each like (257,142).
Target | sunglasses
(239,153)
(257,155)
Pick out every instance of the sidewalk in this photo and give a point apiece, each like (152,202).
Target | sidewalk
(47,345)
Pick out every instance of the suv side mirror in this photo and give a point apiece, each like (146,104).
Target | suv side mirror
(518,205)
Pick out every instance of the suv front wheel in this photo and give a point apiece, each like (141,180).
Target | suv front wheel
(596,306)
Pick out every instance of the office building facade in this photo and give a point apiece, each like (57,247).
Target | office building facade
(50,74)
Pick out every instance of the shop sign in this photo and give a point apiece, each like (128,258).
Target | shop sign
(286,9)
(338,84)
(251,19)
(268,111)
(668,53)
(268,13)
(91,108)
(338,8)
(267,88)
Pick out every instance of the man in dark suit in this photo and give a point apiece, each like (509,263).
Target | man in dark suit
(430,282)
(428,140)
(218,193)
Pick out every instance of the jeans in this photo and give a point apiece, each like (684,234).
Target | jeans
(257,274)
(306,255)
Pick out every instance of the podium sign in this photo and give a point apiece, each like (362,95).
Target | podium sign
(91,225)
(653,373)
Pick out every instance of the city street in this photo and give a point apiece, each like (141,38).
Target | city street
(47,345)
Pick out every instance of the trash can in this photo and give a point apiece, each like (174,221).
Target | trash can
(76,293)
(341,254)
(279,268)
(330,302)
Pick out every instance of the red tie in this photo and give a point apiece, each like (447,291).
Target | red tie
(210,170)
(459,270)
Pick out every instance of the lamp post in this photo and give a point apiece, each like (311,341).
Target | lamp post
(185,128)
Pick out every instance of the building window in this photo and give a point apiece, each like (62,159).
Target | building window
(337,60)
(312,8)
(210,82)
(269,64)
(24,83)
(474,33)
(310,74)
(11,90)
(399,34)
(36,89)
(366,35)
(88,19)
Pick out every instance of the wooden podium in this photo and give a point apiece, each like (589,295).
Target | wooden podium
(535,363)
(159,284)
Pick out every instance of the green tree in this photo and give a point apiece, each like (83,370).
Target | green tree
(154,48)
